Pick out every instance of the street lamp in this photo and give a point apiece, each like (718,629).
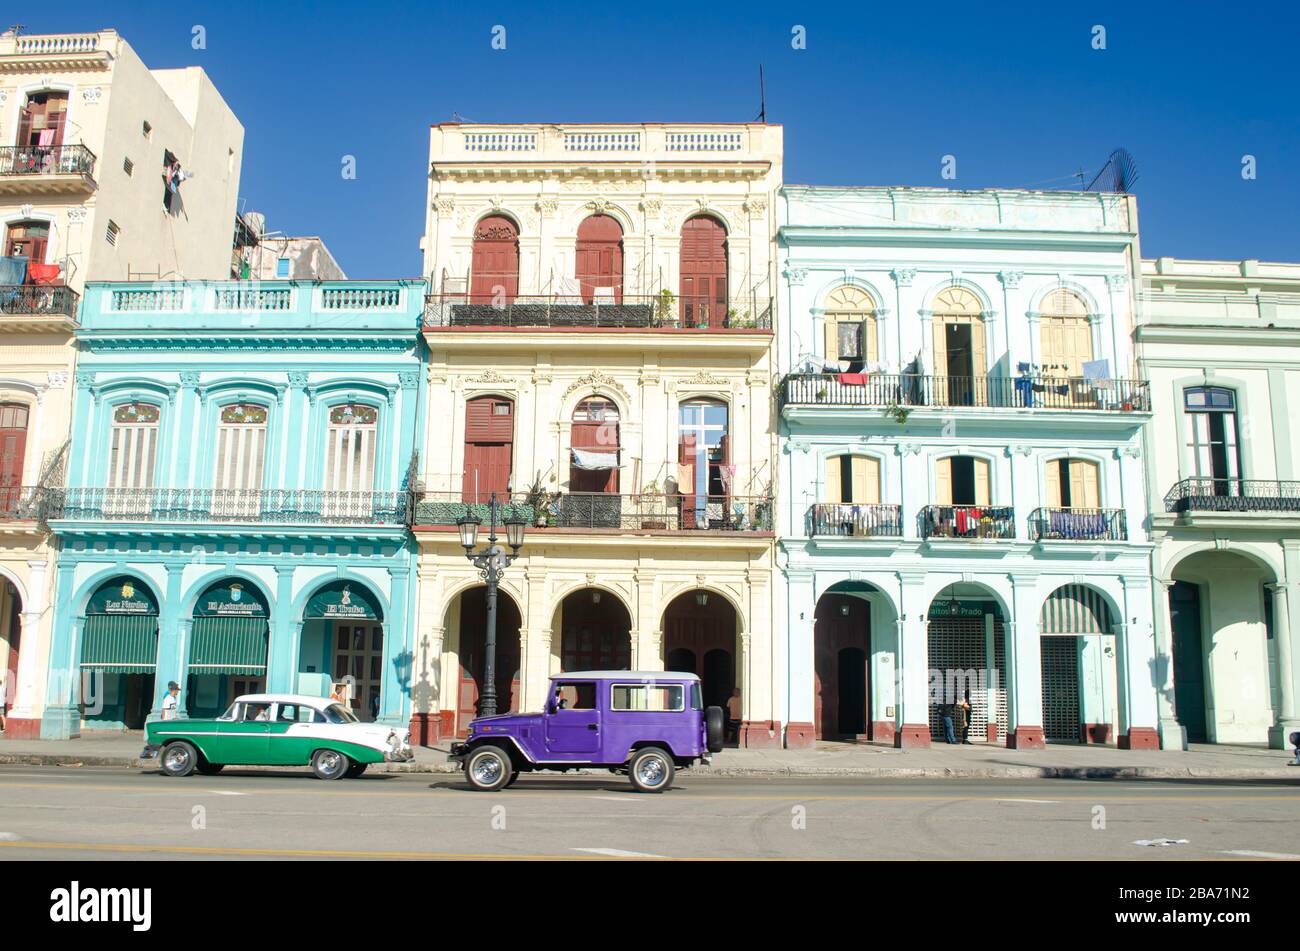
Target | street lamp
(492,563)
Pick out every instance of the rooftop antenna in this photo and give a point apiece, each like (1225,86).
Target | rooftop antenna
(762,97)
(1118,174)
(16,28)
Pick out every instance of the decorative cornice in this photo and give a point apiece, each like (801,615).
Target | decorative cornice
(307,342)
(595,379)
(491,376)
(703,378)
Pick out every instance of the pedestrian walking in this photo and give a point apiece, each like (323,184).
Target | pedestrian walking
(171,702)
(961,719)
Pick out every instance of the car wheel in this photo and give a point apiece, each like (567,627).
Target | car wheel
(715,721)
(356,769)
(511,781)
(179,759)
(651,770)
(209,769)
(489,769)
(329,764)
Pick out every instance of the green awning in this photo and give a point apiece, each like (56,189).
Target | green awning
(343,601)
(120,643)
(229,645)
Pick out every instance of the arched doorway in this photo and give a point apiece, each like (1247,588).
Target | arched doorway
(342,651)
(494,264)
(595,632)
(1078,666)
(1226,686)
(228,647)
(960,359)
(967,652)
(703,272)
(841,685)
(599,259)
(119,652)
(11,630)
(472,654)
(700,629)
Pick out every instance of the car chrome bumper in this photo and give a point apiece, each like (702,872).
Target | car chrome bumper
(403,755)
(458,752)
(150,751)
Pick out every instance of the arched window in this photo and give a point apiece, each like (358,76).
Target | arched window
(133,446)
(1211,436)
(850,328)
(1065,334)
(489,447)
(703,272)
(494,265)
(959,350)
(1072,483)
(599,260)
(350,447)
(28,239)
(594,439)
(704,470)
(241,446)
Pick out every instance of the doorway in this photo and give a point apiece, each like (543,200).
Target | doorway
(1189,660)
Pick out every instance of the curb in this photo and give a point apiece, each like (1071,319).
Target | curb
(792,772)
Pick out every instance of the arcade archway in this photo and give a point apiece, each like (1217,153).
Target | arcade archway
(700,630)
(471,627)
(967,655)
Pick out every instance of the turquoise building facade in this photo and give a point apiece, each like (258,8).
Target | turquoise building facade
(235,510)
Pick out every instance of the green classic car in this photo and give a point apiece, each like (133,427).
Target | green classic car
(275,730)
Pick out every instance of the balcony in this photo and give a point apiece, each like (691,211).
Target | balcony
(24,503)
(24,307)
(1074,524)
(47,170)
(597,511)
(967,522)
(855,521)
(241,506)
(664,312)
(915,391)
(1233,495)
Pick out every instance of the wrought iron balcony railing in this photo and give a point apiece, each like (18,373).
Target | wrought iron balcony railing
(272,506)
(1075,524)
(968,521)
(38,300)
(855,521)
(599,510)
(46,160)
(620,311)
(1233,495)
(22,503)
(916,390)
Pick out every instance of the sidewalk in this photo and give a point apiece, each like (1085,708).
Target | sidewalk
(826,759)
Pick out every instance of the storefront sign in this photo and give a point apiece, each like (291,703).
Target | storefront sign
(122,596)
(230,599)
(942,609)
(343,601)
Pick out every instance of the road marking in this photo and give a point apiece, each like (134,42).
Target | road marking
(9,837)
(622,854)
(1160,843)
(628,798)
(1046,802)
(225,792)
(1251,854)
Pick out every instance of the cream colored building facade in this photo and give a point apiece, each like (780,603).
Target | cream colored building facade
(111,121)
(84,127)
(1219,341)
(600,334)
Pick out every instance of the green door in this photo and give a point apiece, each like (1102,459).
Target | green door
(246,739)
(1189,660)
(286,749)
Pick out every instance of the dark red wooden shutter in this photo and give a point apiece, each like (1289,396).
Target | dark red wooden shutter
(704,272)
(494,267)
(599,259)
(489,447)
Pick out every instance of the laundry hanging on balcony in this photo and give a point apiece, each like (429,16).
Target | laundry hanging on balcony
(173,177)
(43,273)
(593,461)
(13,269)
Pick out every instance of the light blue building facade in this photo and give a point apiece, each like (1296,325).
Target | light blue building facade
(235,516)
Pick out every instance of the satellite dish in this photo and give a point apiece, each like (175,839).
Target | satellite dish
(1117,175)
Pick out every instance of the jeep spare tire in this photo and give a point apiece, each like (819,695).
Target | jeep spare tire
(488,769)
(714,727)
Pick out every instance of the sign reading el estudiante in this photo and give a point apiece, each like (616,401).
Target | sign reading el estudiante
(231,599)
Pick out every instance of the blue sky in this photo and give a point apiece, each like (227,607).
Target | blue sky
(1015,91)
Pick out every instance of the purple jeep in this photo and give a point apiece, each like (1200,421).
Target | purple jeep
(647,724)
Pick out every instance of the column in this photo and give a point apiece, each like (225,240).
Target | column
(1023,486)
(799,712)
(23,722)
(1137,672)
(1286,628)
(1024,668)
(1170,732)
(399,660)
(913,490)
(286,632)
(173,631)
(913,711)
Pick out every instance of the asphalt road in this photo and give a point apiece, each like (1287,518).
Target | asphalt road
(85,813)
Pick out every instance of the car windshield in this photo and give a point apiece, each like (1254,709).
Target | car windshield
(337,713)
(230,712)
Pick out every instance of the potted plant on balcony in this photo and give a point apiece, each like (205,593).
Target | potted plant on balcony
(541,500)
(653,507)
(897,412)
(666,308)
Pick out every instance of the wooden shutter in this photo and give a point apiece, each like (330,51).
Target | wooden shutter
(866,480)
(703,268)
(1053,480)
(834,491)
(494,261)
(940,367)
(978,363)
(869,340)
(1067,343)
(1083,484)
(943,481)
(832,339)
(981,482)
